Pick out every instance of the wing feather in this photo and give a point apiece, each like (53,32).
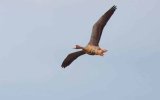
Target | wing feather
(71,57)
(99,25)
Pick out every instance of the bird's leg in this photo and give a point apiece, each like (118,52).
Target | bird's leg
(104,50)
(101,54)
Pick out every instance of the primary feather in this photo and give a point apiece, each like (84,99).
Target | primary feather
(71,57)
(99,25)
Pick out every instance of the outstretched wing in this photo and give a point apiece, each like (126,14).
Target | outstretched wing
(99,25)
(71,57)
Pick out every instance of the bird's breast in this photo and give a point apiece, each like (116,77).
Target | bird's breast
(92,50)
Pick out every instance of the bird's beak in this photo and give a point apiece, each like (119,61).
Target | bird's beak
(75,47)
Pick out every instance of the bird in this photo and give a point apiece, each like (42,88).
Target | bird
(92,48)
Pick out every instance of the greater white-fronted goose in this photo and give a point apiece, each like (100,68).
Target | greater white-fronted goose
(92,47)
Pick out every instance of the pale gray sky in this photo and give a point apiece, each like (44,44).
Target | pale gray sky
(36,35)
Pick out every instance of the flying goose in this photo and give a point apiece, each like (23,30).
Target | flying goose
(92,47)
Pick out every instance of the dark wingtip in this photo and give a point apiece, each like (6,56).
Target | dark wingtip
(63,66)
(114,7)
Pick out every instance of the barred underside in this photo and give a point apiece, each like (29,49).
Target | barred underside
(93,50)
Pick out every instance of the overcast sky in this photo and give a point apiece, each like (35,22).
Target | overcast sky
(36,36)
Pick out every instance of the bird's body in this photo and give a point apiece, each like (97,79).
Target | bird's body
(92,50)
(92,47)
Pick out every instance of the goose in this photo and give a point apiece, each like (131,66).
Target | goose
(92,48)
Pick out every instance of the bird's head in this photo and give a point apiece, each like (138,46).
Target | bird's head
(78,47)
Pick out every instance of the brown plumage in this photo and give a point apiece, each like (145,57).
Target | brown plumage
(93,46)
